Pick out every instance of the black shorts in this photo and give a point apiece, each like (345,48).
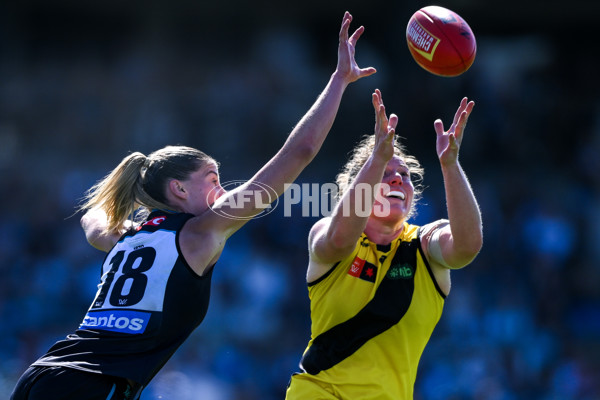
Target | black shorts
(54,383)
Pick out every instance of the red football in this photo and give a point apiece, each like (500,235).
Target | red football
(441,41)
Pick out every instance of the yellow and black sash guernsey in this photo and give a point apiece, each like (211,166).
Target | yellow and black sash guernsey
(372,315)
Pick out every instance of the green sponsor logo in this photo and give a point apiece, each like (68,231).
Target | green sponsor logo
(400,271)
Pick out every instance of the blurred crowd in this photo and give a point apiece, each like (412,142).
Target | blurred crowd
(522,321)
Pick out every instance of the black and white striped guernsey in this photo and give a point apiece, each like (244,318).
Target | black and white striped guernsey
(149,301)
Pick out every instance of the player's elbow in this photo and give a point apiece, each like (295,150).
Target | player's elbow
(474,244)
(94,237)
(332,248)
(95,232)
(88,225)
(466,252)
(341,244)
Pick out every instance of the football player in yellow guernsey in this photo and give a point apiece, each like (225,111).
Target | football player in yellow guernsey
(377,283)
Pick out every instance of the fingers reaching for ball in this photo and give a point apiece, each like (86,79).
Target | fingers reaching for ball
(385,128)
(448,142)
(346,65)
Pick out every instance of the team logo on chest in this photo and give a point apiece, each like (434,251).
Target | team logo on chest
(363,269)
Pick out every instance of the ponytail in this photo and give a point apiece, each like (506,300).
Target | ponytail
(121,195)
(137,185)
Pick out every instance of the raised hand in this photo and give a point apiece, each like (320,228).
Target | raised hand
(384,128)
(346,65)
(448,142)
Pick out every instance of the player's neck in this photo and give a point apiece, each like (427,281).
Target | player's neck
(383,232)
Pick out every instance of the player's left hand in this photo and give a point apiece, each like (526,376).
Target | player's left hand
(448,142)
(347,66)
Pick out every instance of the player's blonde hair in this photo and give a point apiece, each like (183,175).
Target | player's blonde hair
(359,156)
(138,184)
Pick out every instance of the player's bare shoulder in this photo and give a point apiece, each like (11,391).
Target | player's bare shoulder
(200,246)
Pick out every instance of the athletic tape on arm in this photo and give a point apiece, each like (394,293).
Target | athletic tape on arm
(435,249)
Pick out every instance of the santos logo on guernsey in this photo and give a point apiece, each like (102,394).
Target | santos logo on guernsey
(116,321)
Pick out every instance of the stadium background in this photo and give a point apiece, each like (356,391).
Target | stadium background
(84,83)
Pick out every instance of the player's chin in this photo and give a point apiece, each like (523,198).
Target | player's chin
(392,212)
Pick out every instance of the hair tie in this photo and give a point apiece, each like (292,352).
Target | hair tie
(145,166)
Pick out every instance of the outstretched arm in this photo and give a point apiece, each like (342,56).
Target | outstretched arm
(334,237)
(304,141)
(461,240)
